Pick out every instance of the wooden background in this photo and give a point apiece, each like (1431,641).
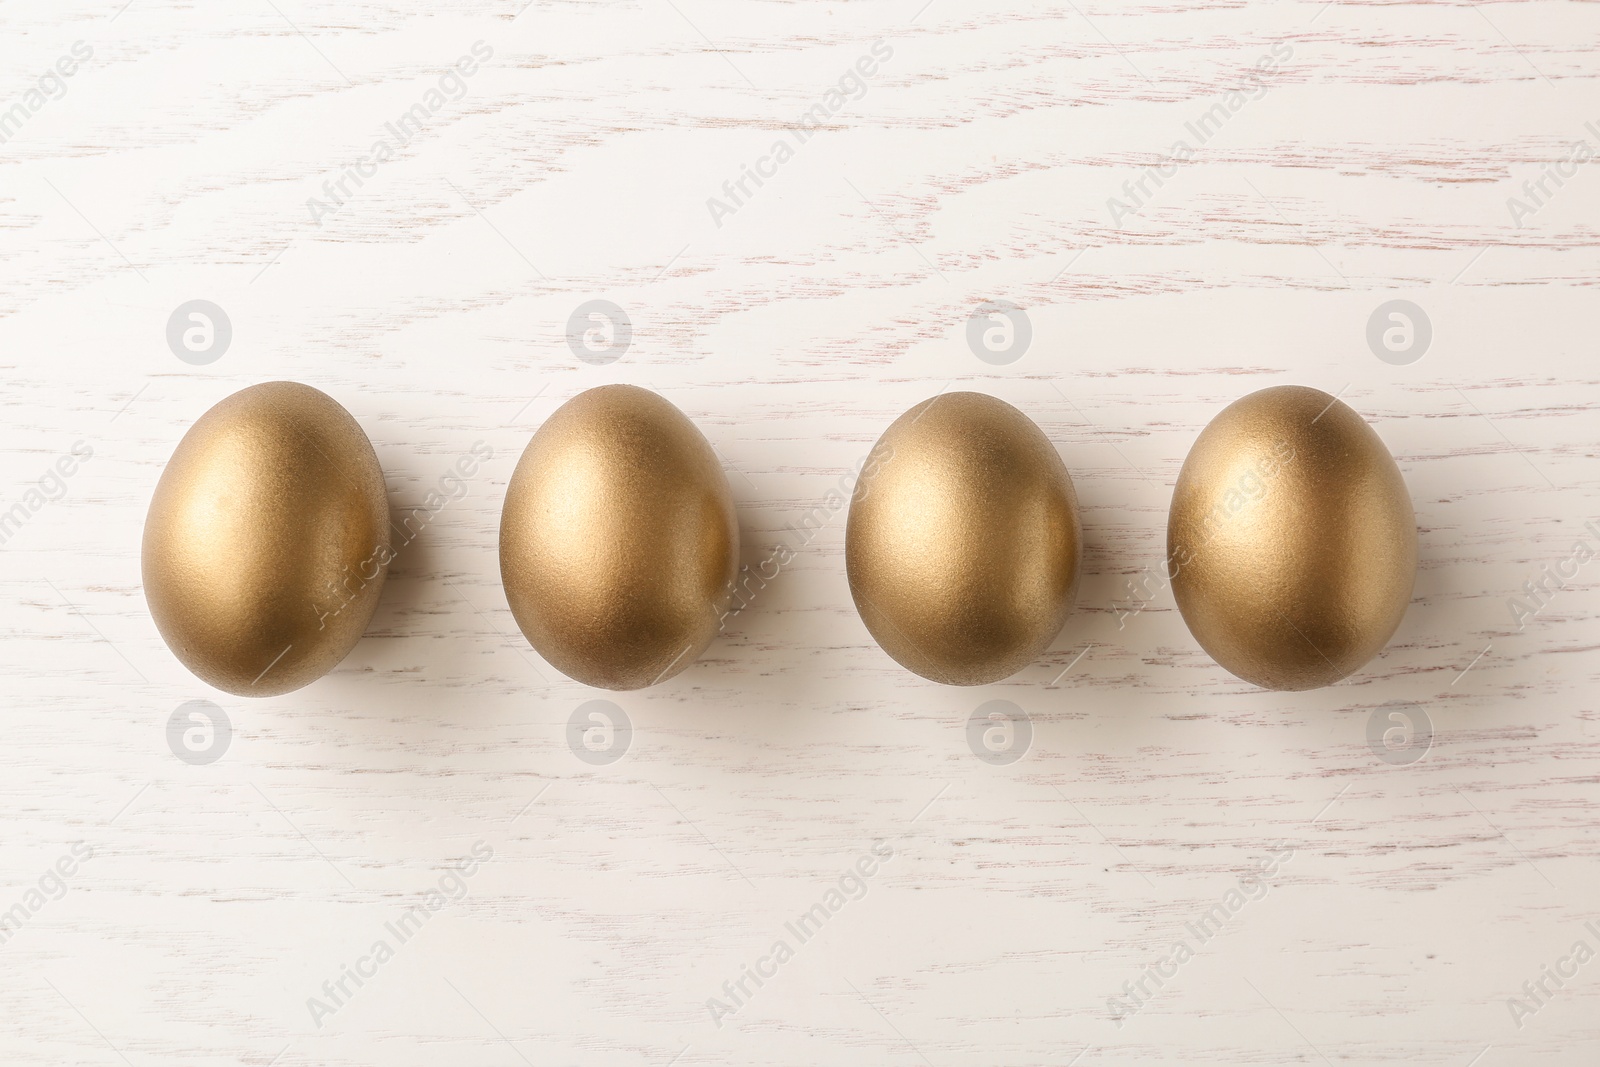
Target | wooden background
(575,164)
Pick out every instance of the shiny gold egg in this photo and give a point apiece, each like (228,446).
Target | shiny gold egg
(1291,542)
(267,540)
(963,543)
(619,543)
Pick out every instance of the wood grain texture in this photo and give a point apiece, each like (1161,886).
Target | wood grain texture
(976,164)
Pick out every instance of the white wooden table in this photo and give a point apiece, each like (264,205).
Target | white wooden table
(1371,159)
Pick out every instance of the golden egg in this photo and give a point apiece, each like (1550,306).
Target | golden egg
(1291,542)
(619,543)
(963,543)
(267,540)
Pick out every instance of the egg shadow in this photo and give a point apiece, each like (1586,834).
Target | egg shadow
(729,661)
(1070,698)
(420,598)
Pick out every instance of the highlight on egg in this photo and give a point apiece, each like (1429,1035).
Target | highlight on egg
(963,542)
(619,543)
(267,541)
(1291,540)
